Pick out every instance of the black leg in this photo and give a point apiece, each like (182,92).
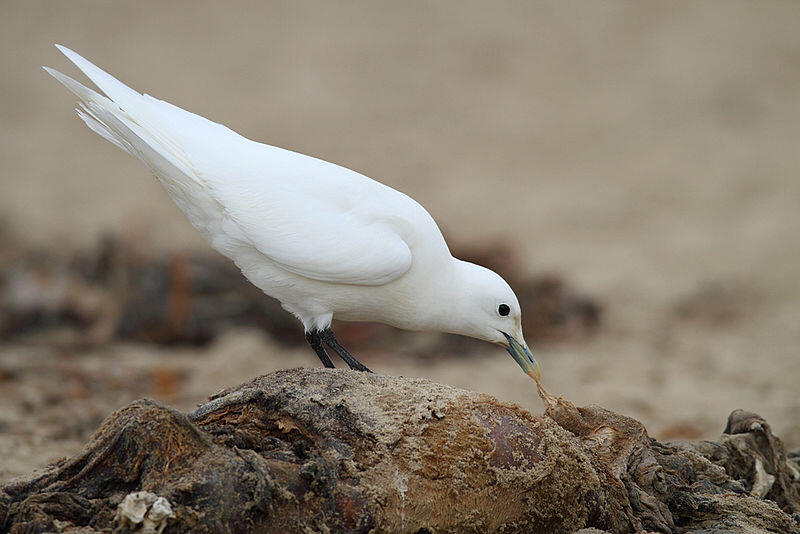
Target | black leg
(316,343)
(329,339)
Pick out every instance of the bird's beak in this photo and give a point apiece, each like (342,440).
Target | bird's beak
(522,354)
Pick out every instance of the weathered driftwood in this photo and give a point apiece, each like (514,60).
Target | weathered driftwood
(317,450)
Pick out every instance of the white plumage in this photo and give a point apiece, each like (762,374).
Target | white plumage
(322,239)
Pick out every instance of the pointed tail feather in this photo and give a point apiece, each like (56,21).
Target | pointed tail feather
(129,103)
(88,96)
(110,121)
(124,96)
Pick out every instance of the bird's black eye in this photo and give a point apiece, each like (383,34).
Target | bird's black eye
(503,310)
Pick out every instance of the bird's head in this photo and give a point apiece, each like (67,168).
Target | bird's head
(486,308)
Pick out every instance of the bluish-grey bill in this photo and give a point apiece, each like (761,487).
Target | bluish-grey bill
(523,356)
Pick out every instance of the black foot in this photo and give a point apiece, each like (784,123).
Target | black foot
(330,340)
(316,343)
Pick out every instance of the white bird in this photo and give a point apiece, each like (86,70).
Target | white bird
(322,239)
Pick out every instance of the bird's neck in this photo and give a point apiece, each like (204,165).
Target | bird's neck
(441,309)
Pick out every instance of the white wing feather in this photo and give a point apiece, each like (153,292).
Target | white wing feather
(311,217)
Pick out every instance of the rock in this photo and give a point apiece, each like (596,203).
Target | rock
(321,450)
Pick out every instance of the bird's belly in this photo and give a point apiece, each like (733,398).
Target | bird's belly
(397,303)
(304,296)
(308,298)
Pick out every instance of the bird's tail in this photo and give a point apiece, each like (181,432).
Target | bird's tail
(91,99)
(139,124)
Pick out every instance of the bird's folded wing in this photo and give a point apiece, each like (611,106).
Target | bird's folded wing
(299,212)
(324,244)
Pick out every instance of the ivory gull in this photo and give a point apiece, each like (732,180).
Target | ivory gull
(322,239)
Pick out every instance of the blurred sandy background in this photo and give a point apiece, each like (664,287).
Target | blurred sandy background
(647,152)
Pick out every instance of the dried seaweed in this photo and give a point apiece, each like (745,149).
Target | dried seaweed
(113,292)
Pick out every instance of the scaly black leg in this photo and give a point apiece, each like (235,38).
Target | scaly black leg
(315,341)
(330,340)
